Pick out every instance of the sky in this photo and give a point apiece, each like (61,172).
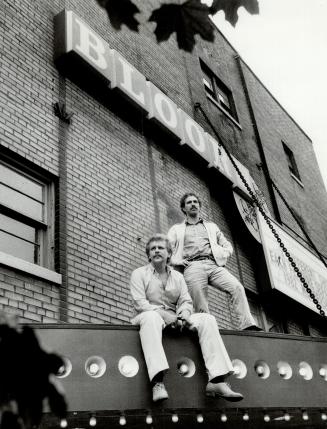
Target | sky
(286,47)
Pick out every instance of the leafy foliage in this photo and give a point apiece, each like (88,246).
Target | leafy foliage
(26,379)
(230,8)
(121,12)
(186,20)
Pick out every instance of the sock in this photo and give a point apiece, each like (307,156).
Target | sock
(158,378)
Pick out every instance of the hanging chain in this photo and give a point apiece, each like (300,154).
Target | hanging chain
(265,216)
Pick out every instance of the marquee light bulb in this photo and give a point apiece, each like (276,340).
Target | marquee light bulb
(122,420)
(93,421)
(183,369)
(223,418)
(94,368)
(174,418)
(323,416)
(246,417)
(287,417)
(305,415)
(266,418)
(283,370)
(302,372)
(237,370)
(63,423)
(260,370)
(199,418)
(149,419)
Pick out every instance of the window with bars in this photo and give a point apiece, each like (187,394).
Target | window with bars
(291,162)
(26,216)
(217,91)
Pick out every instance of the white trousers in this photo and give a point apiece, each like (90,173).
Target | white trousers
(214,353)
(201,273)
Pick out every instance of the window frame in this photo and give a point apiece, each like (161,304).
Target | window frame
(218,90)
(44,228)
(291,163)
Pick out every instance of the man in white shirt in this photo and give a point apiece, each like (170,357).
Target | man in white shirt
(201,250)
(161,299)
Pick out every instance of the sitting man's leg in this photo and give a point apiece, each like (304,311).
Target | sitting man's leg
(222,279)
(196,279)
(216,359)
(151,326)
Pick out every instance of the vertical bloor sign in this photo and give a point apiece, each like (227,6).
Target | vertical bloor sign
(79,49)
(281,273)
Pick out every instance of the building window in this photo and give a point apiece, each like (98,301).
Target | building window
(217,91)
(26,216)
(291,162)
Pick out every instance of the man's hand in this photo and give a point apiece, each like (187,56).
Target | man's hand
(183,263)
(185,323)
(169,318)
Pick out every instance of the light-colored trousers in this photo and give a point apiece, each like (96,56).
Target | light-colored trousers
(214,353)
(199,274)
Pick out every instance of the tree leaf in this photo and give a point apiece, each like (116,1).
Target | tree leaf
(230,8)
(25,381)
(121,12)
(186,20)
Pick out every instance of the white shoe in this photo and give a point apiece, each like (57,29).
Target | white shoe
(222,390)
(159,392)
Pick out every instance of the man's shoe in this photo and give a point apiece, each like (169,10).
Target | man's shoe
(159,392)
(253,328)
(222,390)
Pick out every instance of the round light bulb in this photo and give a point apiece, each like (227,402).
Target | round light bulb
(302,372)
(282,370)
(260,370)
(199,418)
(93,421)
(61,370)
(122,420)
(94,368)
(223,418)
(305,415)
(63,423)
(266,418)
(323,416)
(149,419)
(287,417)
(237,370)
(246,417)
(183,369)
(174,418)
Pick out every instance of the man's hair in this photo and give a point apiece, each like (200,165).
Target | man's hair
(183,199)
(159,237)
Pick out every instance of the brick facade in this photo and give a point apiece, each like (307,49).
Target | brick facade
(119,179)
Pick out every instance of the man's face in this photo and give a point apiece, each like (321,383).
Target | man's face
(191,206)
(158,252)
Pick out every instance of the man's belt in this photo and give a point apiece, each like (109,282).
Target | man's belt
(201,258)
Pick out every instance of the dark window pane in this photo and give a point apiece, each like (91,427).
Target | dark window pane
(21,183)
(21,203)
(291,161)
